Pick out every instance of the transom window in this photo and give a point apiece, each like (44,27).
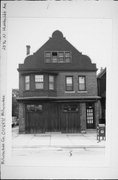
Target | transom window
(69,83)
(39,81)
(58,57)
(27,82)
(70,108)
(81,83)
(34,108)
(51,82)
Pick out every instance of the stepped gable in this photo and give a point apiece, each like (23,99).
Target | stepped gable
(57,43)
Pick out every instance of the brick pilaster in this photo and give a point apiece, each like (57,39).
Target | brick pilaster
(21,118)
(83,117)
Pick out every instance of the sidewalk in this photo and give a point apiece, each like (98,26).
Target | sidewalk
(56,140)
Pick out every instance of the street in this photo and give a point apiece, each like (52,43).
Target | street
(51,149)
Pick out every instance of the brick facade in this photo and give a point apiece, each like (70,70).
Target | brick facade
(83,117)
(74,101)
(21,118)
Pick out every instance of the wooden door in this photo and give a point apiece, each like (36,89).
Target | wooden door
(53,124)
(35,119)
(70,121)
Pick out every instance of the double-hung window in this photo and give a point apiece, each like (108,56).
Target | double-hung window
(69,83)
(39,81)
(51,82)
(54,57)
(27,82)
(81,83)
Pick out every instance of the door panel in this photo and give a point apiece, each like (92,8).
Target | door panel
(70,121)
(90,117)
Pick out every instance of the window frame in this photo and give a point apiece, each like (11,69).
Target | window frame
(66,86)
(51,82)
(27,83)
(57,58)
(79,89)
(39,82)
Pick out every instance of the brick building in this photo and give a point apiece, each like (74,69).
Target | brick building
(58,89)
(101,81)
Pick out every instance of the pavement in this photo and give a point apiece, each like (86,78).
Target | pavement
(56,140)
(57,149)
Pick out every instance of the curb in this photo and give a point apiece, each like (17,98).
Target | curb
(66,147)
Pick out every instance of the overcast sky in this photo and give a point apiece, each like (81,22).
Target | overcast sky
(91,36)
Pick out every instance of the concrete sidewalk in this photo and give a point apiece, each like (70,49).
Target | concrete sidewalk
(56,140)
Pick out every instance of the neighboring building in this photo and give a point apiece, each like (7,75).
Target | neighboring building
(15,105)
(101,80)
(58,89)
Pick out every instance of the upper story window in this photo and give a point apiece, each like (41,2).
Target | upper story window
(58,57)
(81,83)
(69,83)
(39,81)
(27,82)
(54,57)
(51,82)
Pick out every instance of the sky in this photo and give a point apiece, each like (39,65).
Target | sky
(91,36)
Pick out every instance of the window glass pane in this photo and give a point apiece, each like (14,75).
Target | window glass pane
(39,85)
(54,59)
(38,78)
(81,79)
(70,108)
(51,78)
(27,86)
(67,54)
(69,80)
(60,54)
(26,78)
(47,54)
(82,83)
(61,60)
(81,86)
(67,60)
(54,53)
(48,60)
(51,86)
(38,107)
(69,88)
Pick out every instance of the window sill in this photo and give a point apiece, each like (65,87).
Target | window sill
(82,91)
(69,91)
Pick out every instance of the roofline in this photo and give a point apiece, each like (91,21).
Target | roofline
(54,70)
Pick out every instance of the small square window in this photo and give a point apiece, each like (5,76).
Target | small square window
(67,54)
(54,53)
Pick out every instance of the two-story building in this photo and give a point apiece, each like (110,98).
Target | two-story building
(58,89)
